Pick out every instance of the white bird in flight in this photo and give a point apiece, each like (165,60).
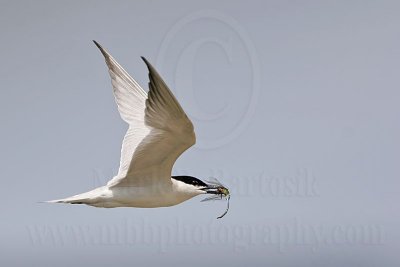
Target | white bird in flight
(159,132)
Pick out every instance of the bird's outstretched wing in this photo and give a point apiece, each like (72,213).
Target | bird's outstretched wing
(159,130)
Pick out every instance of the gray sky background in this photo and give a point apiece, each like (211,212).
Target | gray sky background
(296,109)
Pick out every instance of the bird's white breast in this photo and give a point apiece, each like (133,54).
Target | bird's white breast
(150,196)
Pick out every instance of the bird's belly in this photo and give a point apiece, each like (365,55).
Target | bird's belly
(146,197)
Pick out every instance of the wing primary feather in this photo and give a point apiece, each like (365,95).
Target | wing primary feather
(101,48)
(158,85)
(115,66)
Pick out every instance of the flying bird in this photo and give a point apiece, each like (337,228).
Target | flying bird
(159,132)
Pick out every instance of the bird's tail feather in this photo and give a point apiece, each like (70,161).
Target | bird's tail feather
(66,201)
(69,200)
(84,198)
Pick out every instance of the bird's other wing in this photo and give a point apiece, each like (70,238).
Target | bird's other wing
(171,133)
(131,102)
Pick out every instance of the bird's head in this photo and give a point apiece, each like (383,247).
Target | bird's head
(213,187)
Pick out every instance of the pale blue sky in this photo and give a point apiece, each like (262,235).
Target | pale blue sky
(296,110)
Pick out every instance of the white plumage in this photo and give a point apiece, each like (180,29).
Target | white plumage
(159,132)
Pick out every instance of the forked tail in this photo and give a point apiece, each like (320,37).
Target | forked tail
(84,198)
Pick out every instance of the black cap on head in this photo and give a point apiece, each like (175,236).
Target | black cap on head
(190,180)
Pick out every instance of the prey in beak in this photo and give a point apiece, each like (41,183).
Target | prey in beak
(218,191)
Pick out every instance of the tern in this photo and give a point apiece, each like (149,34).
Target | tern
(159,132)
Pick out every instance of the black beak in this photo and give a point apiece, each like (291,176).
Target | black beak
(211,189)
